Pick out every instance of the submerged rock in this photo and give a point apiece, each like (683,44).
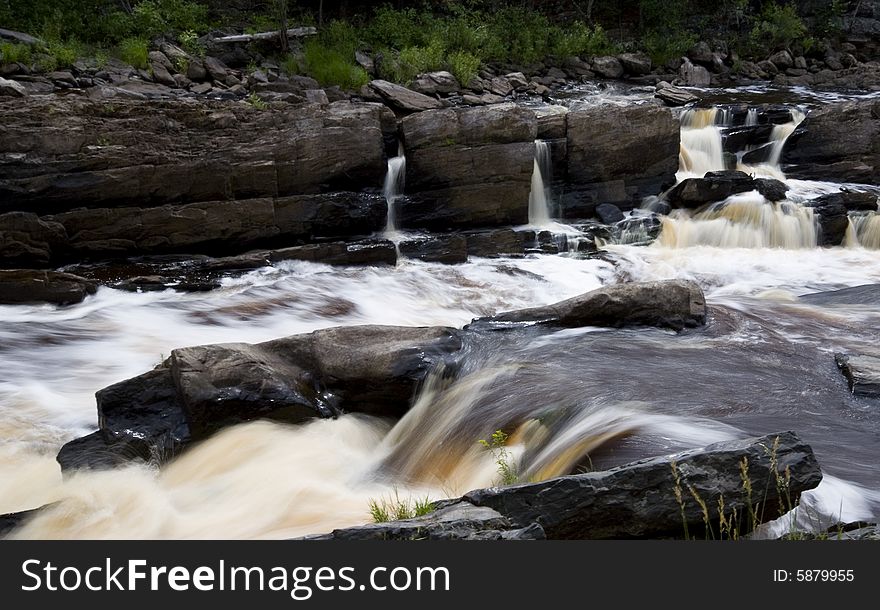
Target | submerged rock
(33,286)
(638,500)
(862,372)
(609,213)
(672,304)
(447,249)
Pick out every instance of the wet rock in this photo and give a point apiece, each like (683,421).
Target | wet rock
(27,240)
(609,213)
(432,83)
(833,219)
(447,249)
(457,521)
(714,186)
(199,390)
(12,521)
(771,189)
(11,88)
(404,99)
(500,242)
(868,294)
(366,252)
(551,122)
(861,372)
(674,96)
(853,201)
(673,304)
(607,67)
(34,286)
(637,500)
(637,64)
(618,155)
(468,167)
(517,80)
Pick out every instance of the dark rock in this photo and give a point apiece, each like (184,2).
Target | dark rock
(216,69)
(745,137)
(19,37)
(162,76)
(868,294)
(820,153)
(500,86)
(432,83)
(607,66)
(673,96)
(853,201)
(11,88)
(404,99)
(33,286)
(862,373)
(674,304)
(638,501)
(636,64)
(198,390)
(638,230)
(701,53)
(609,213)
(12,521)
(714,186)
(367,252)
(694,75)
(27,240)
(457,521)
(500,242)
(447,249)
(468,167)
(551,122)
(782,60)
(833,219)
(619,155)
(771,189)
(517,80)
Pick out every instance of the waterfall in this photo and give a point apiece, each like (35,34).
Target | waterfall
(701,147)
(393,187)
(778,137)
(866,229)
(540,195)
(746,220)
(751,117)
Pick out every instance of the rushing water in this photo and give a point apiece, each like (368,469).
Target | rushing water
(392,189)
(573,399)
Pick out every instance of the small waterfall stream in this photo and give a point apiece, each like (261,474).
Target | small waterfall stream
(395,179)
(541,195)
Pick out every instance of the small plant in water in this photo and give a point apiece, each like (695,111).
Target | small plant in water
(497,446)
(257,102)
(397,508)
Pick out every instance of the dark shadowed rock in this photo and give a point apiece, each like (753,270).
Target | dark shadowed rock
(853,201)
(714,186)
(833,218)
(868,294)
(11,521)
(674,304)
(637,500)
(33,286)
(551,122)
(499,242)
(607,67)
(609,213)
(404,99)
(448,249)
(637,64)
(27,240)
(771,189)
(862,372)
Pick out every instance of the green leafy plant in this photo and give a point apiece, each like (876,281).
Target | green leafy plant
(331,67)
(256,101)
(397,508)
(135,52)
(11,53)
(581,39)
(777,27)
(508,472)
(189,42)
(463,66)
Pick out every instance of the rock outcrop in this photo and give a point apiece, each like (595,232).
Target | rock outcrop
(862,373)
(32,286)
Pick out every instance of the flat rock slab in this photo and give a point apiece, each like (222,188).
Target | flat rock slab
(34,286)
(672,304)
(862,372)
(404,99)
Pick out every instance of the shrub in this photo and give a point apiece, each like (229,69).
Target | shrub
(463,66)
(663,46)
(65,53)
(11,53)
(508,473)
(256,101)
(778,26)
(396,509)
(415,60)
(331,67)
(189,42)
(396,29)
(581,39)
(134,51)
(290,65)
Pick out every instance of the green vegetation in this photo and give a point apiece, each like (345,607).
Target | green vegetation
(256,101)
(134,51)
(397,509)
(15,53)
(508,472)
(777,27)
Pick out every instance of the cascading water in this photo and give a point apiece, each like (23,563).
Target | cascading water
(778,136)
(540,195)
(866,230)
(701,148)
(751,117)
(393,187)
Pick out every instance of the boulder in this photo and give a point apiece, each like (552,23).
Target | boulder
(619,155)
(833,218)
(500,86)
(517,80)
(498,242)
(216,69)
(771,189)
(862,373)
(365,61)
(609,213)
(433,83)
(637,64)
(638,500)
(674,96)
(33,286)
(456,521)
(694,75)
(19,37)
(199,390)
(714,186)
(782,60)
(672,304)
(162,76)
(701,53)
(11,88)
(853,201)
(468,167)
(403,99)
(447,249)
(607,66)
